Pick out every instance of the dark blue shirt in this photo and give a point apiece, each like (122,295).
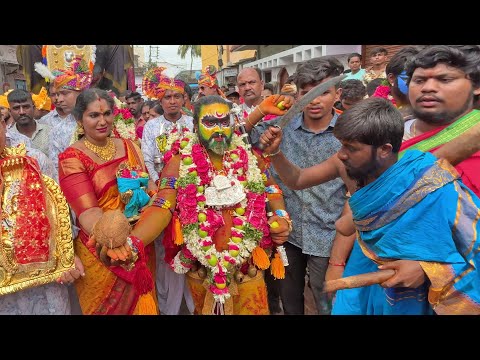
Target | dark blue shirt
(314,210)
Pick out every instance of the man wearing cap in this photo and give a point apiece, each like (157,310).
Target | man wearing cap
(233,96)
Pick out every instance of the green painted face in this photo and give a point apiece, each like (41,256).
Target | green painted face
(215,127)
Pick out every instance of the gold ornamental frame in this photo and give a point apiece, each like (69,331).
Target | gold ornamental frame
(61,56)
(15,277)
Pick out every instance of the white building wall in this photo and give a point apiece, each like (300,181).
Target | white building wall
(289,59)
(10,74)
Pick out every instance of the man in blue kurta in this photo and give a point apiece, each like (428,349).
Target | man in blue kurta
(413,215)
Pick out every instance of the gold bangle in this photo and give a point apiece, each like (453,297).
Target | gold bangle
(248,120)
(261,112)
(274,154)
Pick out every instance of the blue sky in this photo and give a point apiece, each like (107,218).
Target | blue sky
(168,53)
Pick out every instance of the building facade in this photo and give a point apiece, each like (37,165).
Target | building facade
(11,75)
(226,61)
(278,62)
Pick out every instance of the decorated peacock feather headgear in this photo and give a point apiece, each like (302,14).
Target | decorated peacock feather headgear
(157,81)
(68,66)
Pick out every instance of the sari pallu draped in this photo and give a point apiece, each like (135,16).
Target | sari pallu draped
(416,210)
(86,184)
(434,139)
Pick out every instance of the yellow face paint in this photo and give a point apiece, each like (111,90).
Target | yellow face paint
(215,124)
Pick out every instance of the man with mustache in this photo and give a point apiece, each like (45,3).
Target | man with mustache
(135,104)
(463,86)
(444,84)
(413,215)
(22,109)
(213,191)
(58,113)
(250,86)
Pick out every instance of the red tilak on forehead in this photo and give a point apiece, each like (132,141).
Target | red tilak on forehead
(219,116)
(215,115)
(102,107)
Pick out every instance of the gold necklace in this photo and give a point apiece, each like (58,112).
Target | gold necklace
(106,152)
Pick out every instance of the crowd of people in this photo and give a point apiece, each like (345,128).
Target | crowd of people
(217,204)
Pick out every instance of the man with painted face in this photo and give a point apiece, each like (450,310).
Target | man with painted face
(215,133)
(214,189)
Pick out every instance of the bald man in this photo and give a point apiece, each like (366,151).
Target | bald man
(250,86)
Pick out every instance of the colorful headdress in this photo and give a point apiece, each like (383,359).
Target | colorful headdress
(42,101)
(208,77)
(78,77)
(70,66)
(156,83)
(4,101)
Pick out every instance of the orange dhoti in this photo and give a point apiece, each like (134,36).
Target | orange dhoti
(248,297)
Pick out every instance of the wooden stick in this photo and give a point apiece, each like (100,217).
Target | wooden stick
(357,281)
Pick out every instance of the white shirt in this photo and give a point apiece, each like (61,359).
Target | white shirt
(154,128)
(61,137)
(50,119)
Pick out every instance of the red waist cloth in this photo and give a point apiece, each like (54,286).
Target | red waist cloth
(468,169)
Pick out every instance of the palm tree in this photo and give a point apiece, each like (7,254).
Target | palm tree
(195,51)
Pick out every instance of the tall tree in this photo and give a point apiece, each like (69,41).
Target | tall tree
(195,51)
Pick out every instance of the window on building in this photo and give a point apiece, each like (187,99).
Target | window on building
(267,76)
(21,84)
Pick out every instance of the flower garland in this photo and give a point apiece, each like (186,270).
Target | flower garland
(199,222)
(384,91)
(123,124)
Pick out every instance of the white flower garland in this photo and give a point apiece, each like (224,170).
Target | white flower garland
(124,130)
(224,261)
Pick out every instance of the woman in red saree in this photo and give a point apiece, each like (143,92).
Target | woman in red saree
(87,173)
